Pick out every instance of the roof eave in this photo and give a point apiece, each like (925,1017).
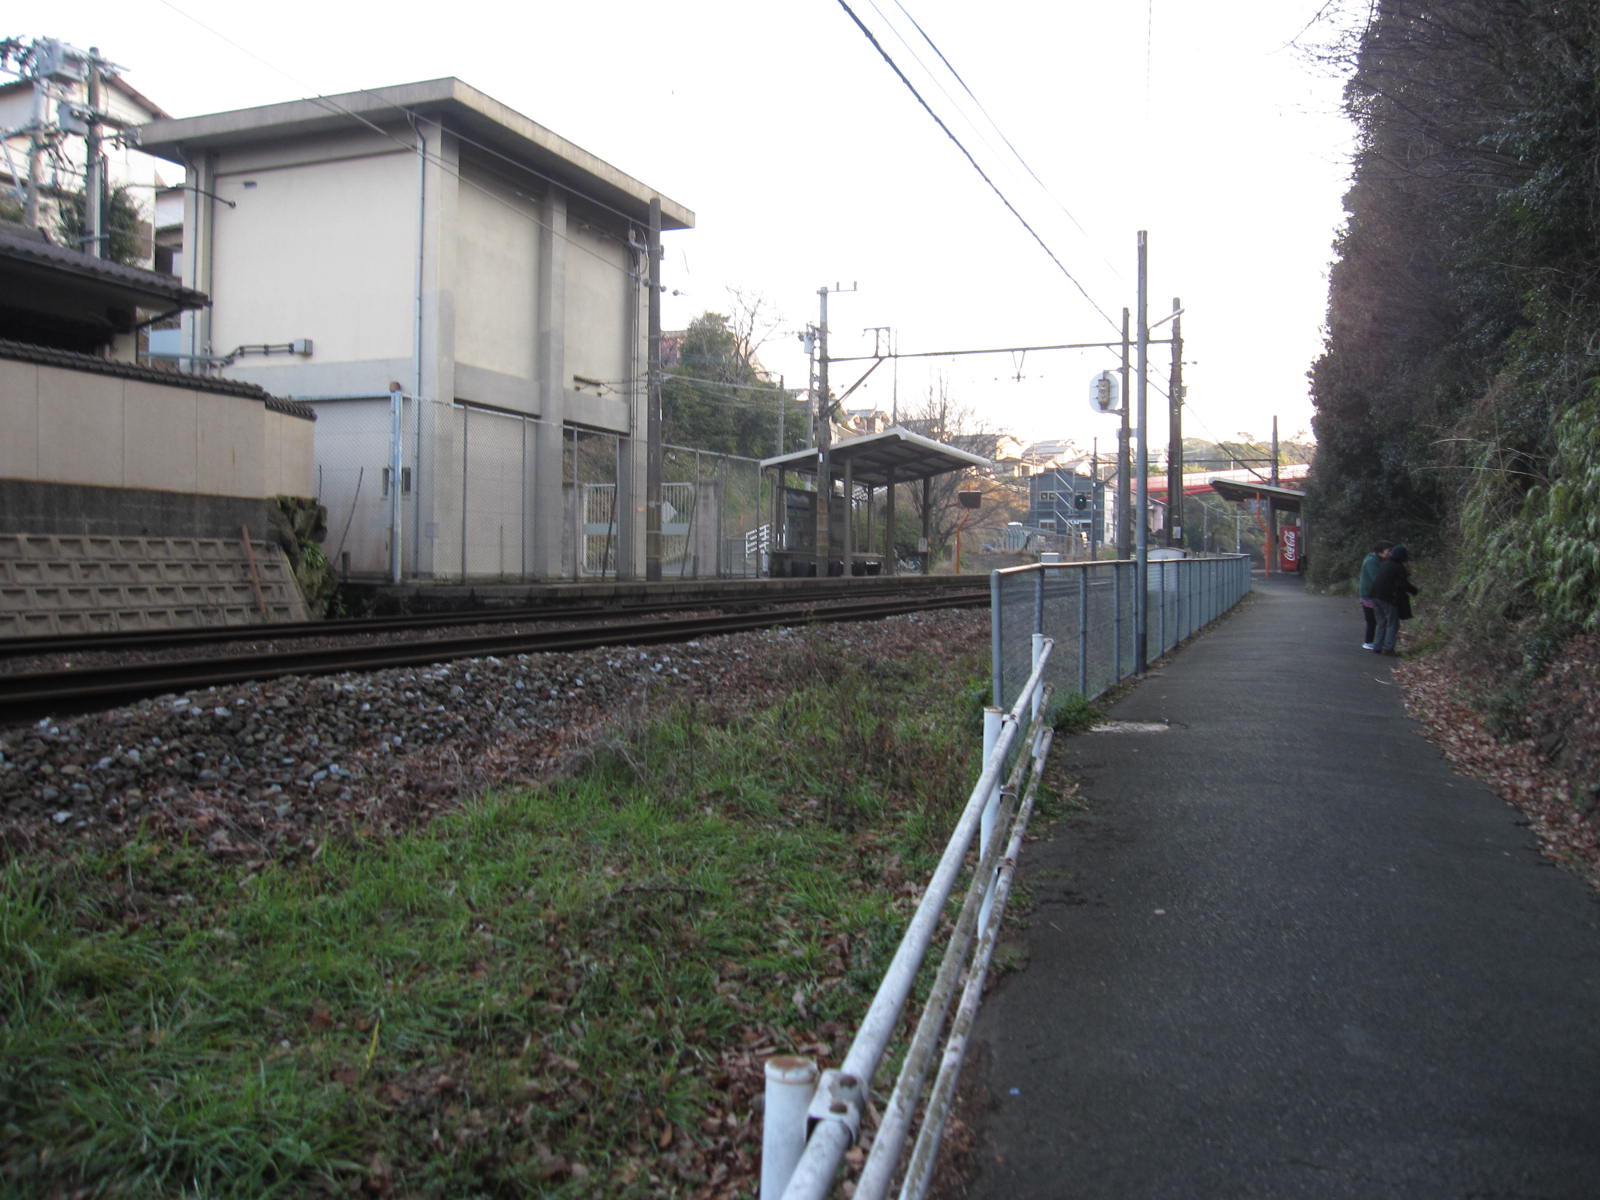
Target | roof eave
(484,117)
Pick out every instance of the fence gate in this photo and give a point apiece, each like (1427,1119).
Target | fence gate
(599,509)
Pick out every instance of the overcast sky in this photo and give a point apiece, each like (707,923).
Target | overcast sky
(808,163)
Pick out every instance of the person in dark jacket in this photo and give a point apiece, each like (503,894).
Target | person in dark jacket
(1392,590)
(1369,610)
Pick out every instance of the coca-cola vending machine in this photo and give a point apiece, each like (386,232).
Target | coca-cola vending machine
(1289,548)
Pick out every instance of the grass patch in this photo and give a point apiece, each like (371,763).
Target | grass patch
(562,991)
(1074,713)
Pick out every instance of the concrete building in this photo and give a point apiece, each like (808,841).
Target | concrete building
(458,292)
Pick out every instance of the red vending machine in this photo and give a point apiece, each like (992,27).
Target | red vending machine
(1289,548)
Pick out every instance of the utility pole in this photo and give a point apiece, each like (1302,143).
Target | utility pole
(1141,584)
(1272,510)
(1094,498)
(1124,459)
(653,451)
(825,437)
(1175,434)
(36,145)
(824,441)
(94,185)
(781,398)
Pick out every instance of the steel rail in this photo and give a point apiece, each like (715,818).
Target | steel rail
(85,643)
(26,697)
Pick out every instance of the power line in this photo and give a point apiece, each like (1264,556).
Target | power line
(1017,154)
(968,155)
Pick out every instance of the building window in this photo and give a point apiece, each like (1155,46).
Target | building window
(1047,497)
(1048,524)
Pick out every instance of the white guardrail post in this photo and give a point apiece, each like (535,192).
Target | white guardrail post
(791,1082)
(993,719)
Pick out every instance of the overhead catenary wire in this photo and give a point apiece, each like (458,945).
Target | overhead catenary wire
(993,124)
(893,66)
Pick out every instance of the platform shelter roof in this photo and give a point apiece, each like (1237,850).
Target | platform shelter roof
(1282,499)
(876,457)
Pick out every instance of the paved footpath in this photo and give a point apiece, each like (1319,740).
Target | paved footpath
(1288,952)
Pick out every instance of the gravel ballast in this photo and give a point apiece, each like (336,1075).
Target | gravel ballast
(263,770)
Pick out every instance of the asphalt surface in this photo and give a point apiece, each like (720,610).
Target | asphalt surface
(1286,951)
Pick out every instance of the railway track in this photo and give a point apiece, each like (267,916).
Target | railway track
(28,696)
(414,623)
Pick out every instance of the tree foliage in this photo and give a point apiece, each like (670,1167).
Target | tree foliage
(716,396)
(127,236)
(946,420)
(1457,394)
(1463,295)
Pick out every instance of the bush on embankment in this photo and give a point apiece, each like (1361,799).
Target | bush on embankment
(1458,398)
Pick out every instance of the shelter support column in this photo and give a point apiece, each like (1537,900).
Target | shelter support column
(849,510)
(927,526)
(890,564)
(779,539)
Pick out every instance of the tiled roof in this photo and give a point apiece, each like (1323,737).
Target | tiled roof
(48,357)
(21,245)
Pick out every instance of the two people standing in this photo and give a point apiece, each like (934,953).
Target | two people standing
(1369,608)
(1390,592)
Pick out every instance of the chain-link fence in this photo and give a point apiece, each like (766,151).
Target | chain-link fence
(1091,610)
(474,503)
(715,515)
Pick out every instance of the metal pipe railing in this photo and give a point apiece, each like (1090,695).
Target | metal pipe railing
(813,1120)
(835,1112)
(925,1153)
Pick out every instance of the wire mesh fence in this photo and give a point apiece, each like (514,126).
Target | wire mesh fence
(433,491)
(1092,611)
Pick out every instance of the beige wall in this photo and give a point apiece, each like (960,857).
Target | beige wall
(321,249)
(497,250)
(600,290)
(64,426)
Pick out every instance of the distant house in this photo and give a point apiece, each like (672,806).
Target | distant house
(460,294)
(866,420)
(43,116)
(1061,501)
(1051,455)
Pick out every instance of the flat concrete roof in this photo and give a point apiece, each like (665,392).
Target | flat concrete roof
(463,109)
(874,456)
